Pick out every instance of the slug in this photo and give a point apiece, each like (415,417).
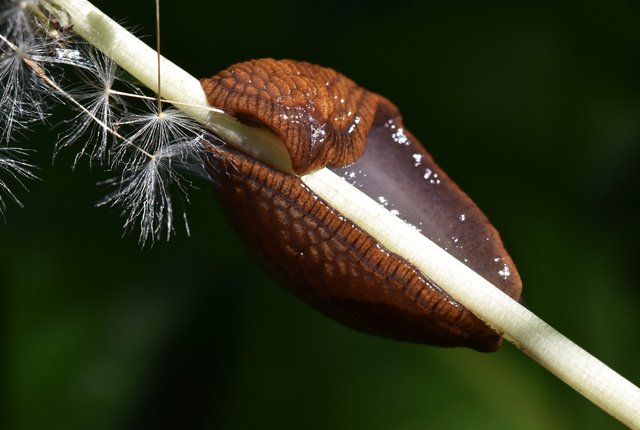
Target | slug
(326,120)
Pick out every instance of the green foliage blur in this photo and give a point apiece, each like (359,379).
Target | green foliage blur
(532,107)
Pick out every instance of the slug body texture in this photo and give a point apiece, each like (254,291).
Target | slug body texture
(326,120)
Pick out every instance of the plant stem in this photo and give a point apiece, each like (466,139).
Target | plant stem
(569,362)
(141,61)
(575,366)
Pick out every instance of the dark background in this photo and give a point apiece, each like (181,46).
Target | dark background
(532,107)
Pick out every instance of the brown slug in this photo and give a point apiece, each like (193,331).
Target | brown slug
(326,120)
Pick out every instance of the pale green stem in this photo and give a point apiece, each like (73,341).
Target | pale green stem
(575,366)
(572,364)
(140,61)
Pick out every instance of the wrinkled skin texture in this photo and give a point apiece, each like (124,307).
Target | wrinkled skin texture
(315,252)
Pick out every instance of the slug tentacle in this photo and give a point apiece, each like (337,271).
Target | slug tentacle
(325,119)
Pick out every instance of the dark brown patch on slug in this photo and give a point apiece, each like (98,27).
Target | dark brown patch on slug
(321,115)
(321,256)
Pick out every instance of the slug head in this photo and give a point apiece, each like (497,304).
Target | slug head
(321,116)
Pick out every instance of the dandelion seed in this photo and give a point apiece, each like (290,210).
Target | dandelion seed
(100,102)
(28,19)
(29,44)
(18,104)
(143,192)
(16,19)
(153,131)
(22,101)
(13,166)
(152,147)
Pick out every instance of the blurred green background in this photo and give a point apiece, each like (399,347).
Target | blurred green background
(532,107)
